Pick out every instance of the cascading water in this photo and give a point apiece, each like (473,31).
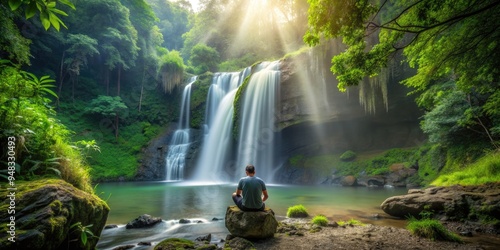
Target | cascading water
(218,125)
(256,127)
(256,124)
(180,142)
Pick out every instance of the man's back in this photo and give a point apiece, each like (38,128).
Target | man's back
(252,187)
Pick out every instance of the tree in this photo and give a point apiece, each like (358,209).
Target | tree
(81,47)
(171,70)
(108,107)
(49,14)
(204,58)
(444,40)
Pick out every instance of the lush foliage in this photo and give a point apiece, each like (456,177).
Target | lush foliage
(348,156)
(451,43)
(432,229)
(297,211)
(204,58)
(171,70)
(49,14)
(320,220)
(42,143)
(485,170)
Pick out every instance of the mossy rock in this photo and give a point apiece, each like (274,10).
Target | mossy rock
(174,244)
(348,156)
(44,212)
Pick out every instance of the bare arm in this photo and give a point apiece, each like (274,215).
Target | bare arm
(265,195)
(238,192)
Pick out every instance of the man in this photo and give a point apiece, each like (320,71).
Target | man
(252,188)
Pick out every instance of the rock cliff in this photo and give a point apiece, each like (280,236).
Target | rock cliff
(47,214)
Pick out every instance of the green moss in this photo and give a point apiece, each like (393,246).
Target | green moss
(348,156)
(198,100)
(174,244)
(320,220)
(432,229)
(484,170)
(298,52)
(351,222)
(297,160)
(297,211)
(237,104)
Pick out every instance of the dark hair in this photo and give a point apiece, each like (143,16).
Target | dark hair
(250,169)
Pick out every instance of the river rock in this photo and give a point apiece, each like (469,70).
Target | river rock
(453,203)
(348,181)
(371,181)
(44,212)
(142,221)
(251,225)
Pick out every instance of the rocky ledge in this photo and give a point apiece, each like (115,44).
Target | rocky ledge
(451,203)
(45,214)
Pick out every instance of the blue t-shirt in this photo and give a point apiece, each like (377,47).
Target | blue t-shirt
(252,191)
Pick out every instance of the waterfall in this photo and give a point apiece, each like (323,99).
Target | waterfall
(220,159)
(216,148)
(256,124)
(176,156)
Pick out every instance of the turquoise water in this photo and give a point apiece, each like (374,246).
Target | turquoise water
(200,203)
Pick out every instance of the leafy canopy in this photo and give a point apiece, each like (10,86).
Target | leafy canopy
(446,41)
(49,14)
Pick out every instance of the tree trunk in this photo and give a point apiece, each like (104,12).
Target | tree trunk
(118,81)
(106,80)
(142,86)
(73,88)
(116,126)
(61,79)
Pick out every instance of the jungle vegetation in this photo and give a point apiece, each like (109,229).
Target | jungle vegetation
(85,84)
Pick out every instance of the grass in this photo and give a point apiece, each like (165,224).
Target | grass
(351,222)
(320,220)
(432,229)
(297,211)
(485,170)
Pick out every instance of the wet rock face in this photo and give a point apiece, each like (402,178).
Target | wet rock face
(45,212)
(449,203)
(251,225)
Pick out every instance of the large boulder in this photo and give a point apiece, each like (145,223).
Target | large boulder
(453,203)
(45,211)
(251,225)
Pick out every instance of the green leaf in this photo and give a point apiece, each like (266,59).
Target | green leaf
(84,238)
(54,20)
(30,10)
(45,20)
(58,11)
(68,3)
(13,4)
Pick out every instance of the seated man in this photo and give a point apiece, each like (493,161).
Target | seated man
(252,188)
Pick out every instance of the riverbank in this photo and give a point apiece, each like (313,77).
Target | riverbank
(300,235)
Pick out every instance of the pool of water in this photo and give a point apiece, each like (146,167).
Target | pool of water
(201,203)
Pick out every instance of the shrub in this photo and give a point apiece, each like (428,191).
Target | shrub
(348,156)
(297,211)
(432,229)
(320,220)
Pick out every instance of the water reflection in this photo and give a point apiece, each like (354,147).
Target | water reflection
(173,201)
